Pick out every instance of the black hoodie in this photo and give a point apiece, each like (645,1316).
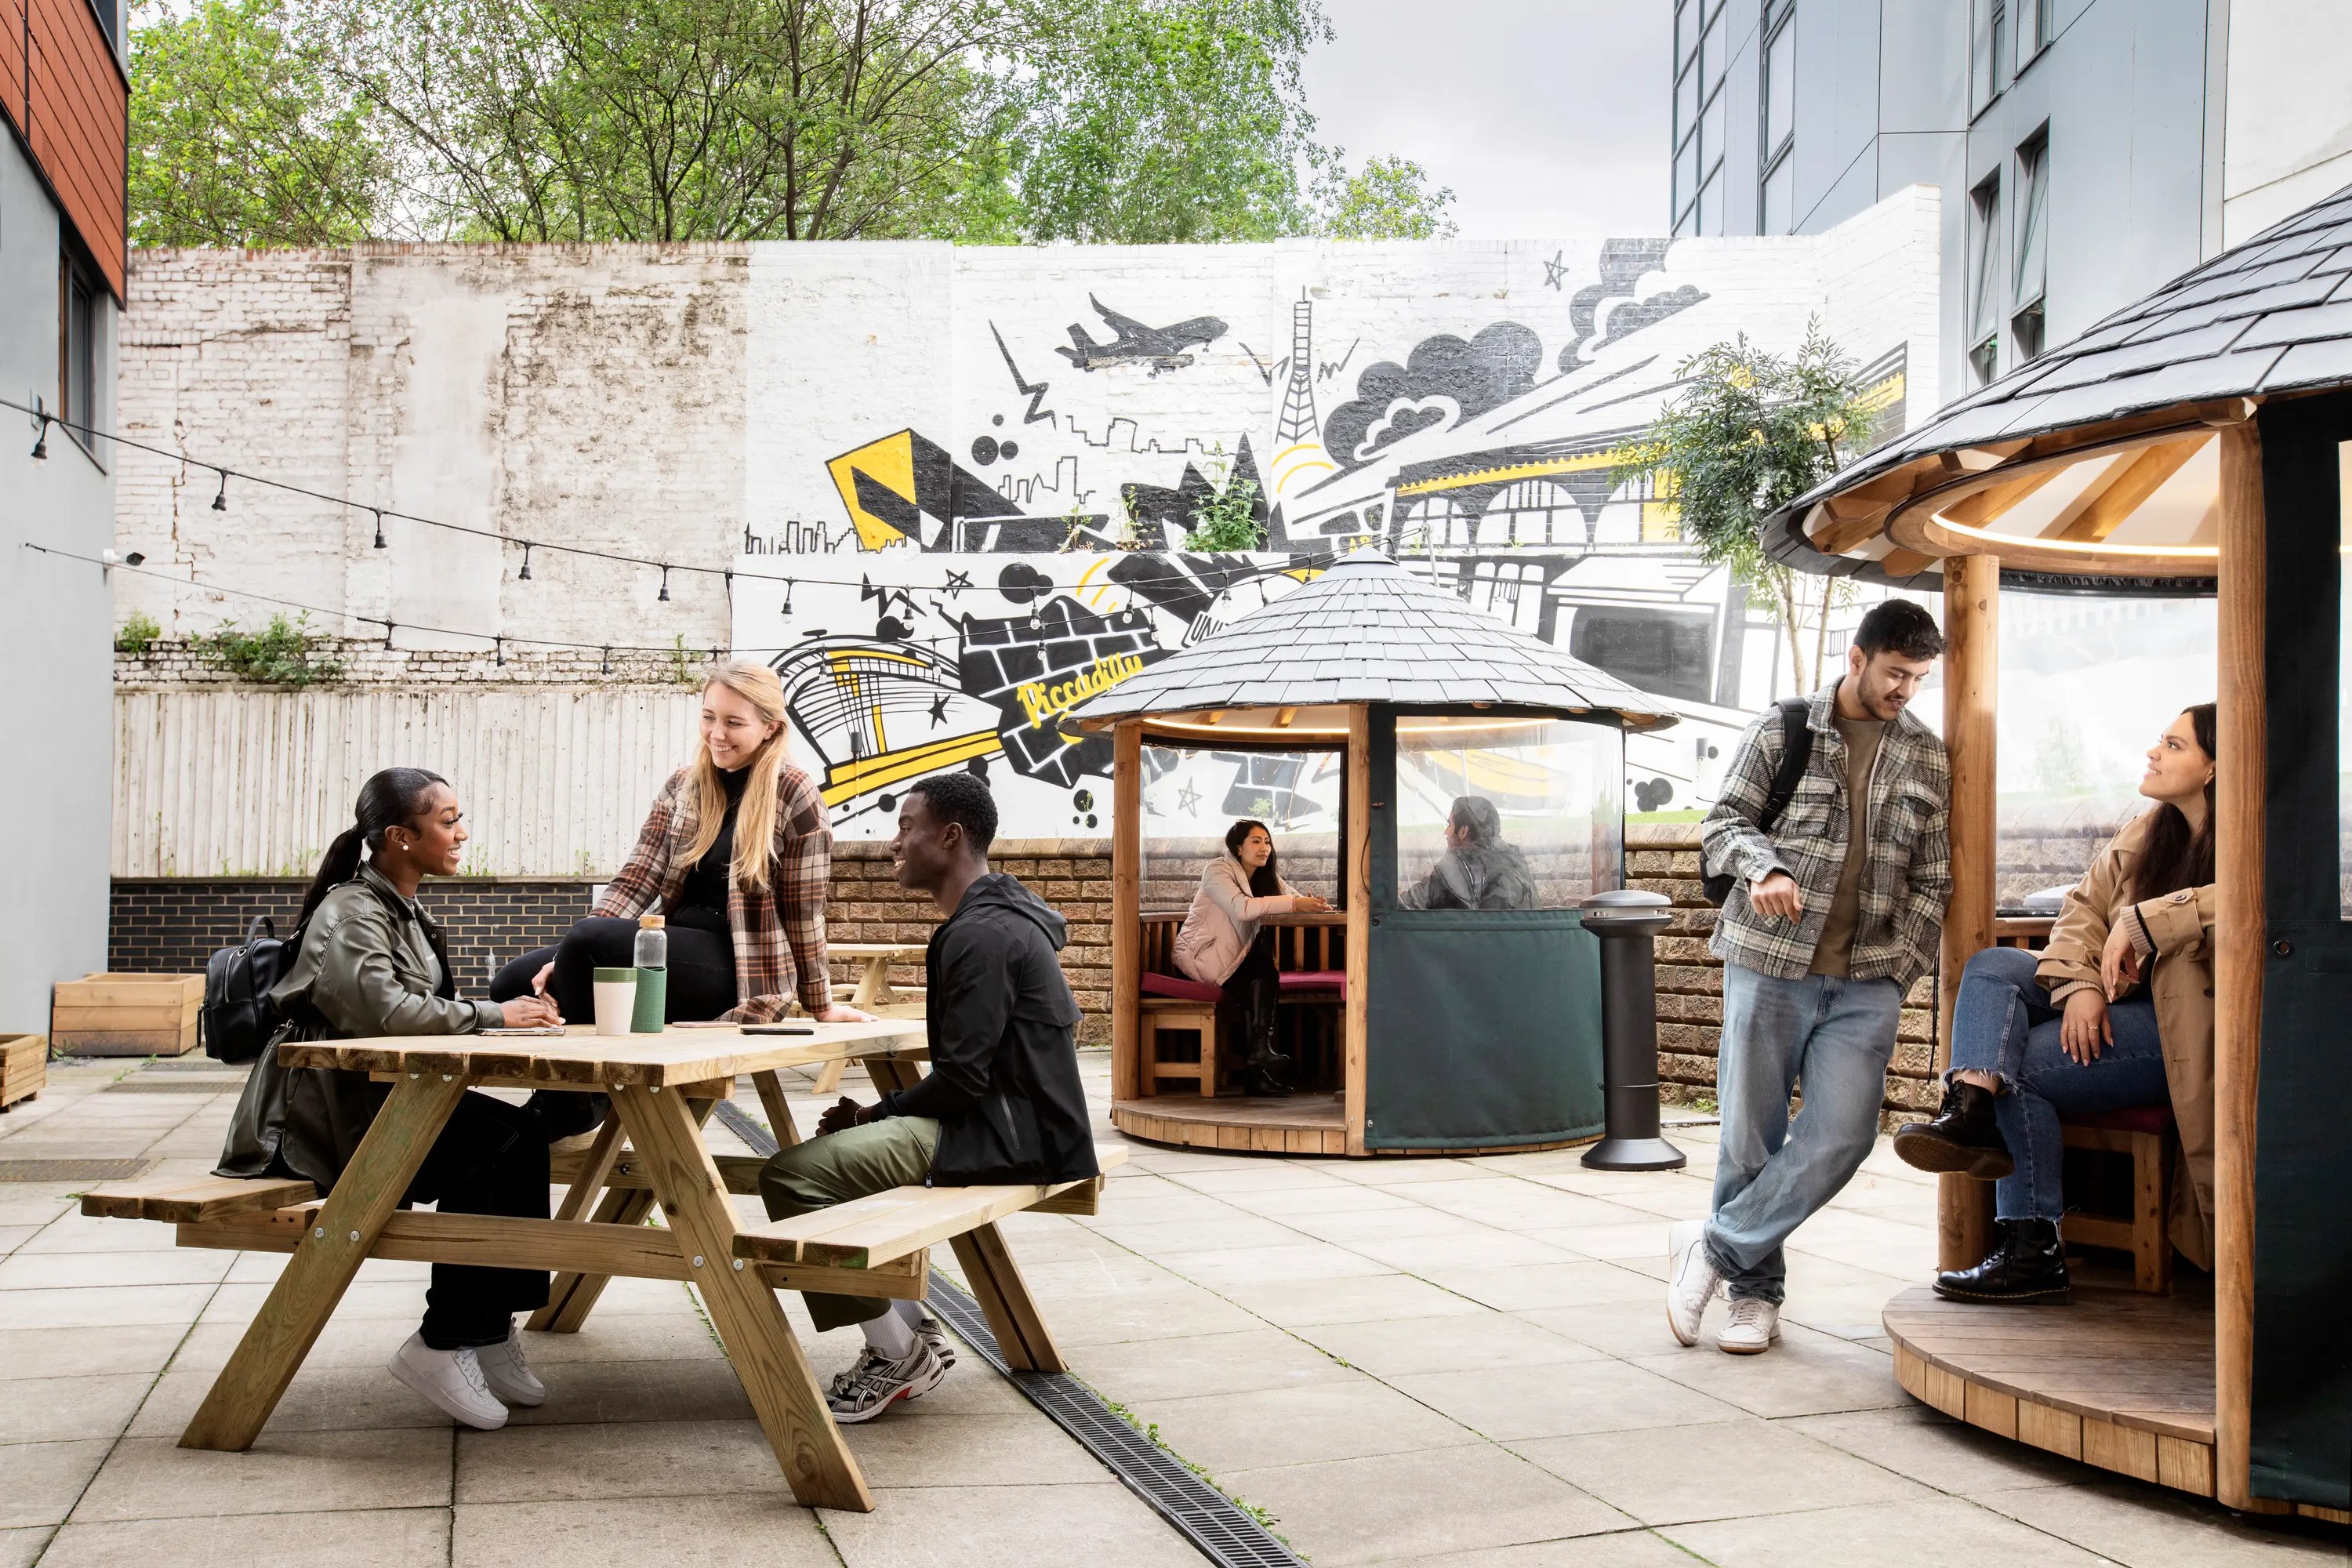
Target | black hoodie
(1004,1082)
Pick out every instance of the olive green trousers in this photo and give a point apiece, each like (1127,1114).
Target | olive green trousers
(838,1166)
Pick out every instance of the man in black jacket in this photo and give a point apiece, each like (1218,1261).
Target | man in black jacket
(1001,1103)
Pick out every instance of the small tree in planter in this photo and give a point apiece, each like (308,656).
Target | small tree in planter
(1752,432)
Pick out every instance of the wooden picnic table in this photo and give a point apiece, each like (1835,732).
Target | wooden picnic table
(874,992)
(663,1087)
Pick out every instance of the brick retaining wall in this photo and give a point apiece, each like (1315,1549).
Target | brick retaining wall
(172,924)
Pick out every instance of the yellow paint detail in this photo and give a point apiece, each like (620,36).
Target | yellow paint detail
(1509,472)
(847,781)
(890,463)
(1662,522)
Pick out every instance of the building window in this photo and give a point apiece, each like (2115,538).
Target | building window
(1700,31)
(2036,25)
(1987,21)
(2026,322)
(1984,270)
(1779,123)
(78,328)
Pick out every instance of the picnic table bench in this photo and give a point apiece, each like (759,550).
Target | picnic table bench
(663,1087)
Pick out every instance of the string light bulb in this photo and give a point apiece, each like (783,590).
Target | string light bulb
(524,575)
(41,441)
(387,636)
(608,660)
(220,500)
(379,528)
(787,595)
(663,594)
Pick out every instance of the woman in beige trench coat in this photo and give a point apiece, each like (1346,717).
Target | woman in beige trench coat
(2116,1013)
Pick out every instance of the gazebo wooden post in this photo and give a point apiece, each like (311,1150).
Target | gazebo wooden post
(1127,912)
(2239,790)
(1358,872)
(1971,679)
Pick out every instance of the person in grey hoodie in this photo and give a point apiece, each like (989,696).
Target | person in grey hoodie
(1003,1102)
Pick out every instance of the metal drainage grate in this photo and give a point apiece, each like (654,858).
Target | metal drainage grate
(1204,1516)
(72,1170)
(183,1083)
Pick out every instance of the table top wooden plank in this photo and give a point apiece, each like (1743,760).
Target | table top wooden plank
(875,949)
(673,1058)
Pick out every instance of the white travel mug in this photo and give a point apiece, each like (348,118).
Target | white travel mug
(616,1000)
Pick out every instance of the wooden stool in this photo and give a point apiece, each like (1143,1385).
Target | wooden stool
(2144,1132)
(1172,1005)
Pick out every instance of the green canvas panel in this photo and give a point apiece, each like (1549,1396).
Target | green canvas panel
(2301,1431)
(1482,1029)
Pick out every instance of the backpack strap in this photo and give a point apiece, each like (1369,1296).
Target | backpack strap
(1796,754)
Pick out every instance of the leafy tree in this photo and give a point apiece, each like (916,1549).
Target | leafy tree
(1752,432)
(238,137)
(1388,198)
(1148,123)
(985,121)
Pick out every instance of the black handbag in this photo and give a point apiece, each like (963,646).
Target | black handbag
(239,1019)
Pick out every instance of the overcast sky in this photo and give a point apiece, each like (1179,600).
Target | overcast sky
(1547,117)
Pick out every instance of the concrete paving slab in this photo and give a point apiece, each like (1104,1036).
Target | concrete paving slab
(82,1270)
(63,1409)
(1405,1506)
(1934,1532)
(2148,1527)
(45,1479)
(1071,1526)
(1733,1469)
(1600,1394)
(1626,1549)
(1295,1304)
(1482,1342)
(361,1538)
(1187,1365)
(1530,1287)
(284,1472)
(23,1548)
(1231,1432)
(688,1532)
(1807,1374)
(76,1352)
(103,1306)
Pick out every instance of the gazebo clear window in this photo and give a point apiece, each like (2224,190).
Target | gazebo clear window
(1192,794)
(1552,789)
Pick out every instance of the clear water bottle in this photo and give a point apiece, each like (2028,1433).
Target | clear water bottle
(653,943)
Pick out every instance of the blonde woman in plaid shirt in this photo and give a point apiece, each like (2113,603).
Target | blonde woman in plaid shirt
(1831,916)
(736,854)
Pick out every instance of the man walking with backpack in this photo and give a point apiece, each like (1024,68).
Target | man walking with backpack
(1832,832)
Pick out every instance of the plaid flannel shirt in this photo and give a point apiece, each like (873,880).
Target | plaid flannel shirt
(779,931)
(1906,878)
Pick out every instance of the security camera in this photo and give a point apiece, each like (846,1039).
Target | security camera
(116,558)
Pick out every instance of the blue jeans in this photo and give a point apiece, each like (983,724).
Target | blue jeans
(2002,1024)
(1770,1172)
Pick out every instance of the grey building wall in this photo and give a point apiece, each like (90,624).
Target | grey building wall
(2128,92)
(56,658)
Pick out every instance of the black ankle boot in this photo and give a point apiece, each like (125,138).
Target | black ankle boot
(2026,1266)
(1963,1140)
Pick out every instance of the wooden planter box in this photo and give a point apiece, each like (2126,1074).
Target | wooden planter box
(126,1014)
(24,1066)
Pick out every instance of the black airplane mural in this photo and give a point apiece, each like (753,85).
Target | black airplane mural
(1161,348)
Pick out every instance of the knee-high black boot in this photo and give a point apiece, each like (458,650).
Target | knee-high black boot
(1266,1064)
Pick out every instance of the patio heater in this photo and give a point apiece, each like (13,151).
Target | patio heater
(1628,921)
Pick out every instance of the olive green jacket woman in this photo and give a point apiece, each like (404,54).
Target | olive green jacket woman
(2174,932)
(371,963)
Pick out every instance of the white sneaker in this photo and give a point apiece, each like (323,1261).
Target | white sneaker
(452,1380)
(931,1335)
(877,1382)
(1691,1278)
(509,1376)
(1755,1324)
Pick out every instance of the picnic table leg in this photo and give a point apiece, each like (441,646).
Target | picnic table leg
(316,1276)
(828,1077)
(594,1170)
(766,1354)
(873,985)
(1013,1316)
(572,1297)
(778,1109)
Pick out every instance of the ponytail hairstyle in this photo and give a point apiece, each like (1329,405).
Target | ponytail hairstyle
(392,798)
(2174,857)
(755,818)
(1266,882)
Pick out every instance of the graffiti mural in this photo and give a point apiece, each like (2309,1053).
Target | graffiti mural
(1017,533)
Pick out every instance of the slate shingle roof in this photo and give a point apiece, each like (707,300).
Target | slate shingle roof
(1368,630)
(2272,315)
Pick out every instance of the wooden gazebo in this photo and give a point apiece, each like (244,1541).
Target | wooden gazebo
(1452,1028)
(2195,442)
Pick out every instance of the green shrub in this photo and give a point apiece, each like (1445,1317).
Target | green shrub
(279,654)
(137,634)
